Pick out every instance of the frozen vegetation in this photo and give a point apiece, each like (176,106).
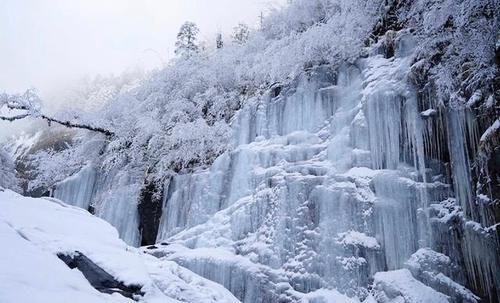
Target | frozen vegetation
(347,151)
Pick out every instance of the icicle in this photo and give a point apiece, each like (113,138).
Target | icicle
(461,132)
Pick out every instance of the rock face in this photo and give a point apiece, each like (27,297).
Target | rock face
(351,177)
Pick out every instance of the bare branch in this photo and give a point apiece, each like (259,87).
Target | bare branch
(29,103)
(14,118)
(78,125)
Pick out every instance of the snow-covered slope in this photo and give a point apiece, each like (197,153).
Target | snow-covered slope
(42,233)
(35,232)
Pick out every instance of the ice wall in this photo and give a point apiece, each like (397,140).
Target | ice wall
(328,183)
(288,199)
(111,195)
(116,199)
(332,179)
(78,190)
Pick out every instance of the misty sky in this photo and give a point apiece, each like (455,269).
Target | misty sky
(46,43)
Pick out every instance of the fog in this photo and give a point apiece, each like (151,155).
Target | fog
(48,44)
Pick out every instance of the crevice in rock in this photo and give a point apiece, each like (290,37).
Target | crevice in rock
(150,210)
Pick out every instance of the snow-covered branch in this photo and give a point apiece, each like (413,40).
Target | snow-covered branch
(71,124)
(28,104)
(14,118)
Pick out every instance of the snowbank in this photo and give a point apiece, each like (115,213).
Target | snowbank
(36,230)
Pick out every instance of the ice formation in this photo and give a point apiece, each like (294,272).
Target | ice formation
(326,187)
(291,199)
(112,196)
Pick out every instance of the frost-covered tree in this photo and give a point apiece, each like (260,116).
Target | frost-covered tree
(241,33)
(302,14)
(28,105)
(177,119)
(186,44)
(8,177)
(90,94)
(219,42)
(59,153)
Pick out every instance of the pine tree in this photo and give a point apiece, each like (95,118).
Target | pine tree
(219,41)
(186,44)
(241,33)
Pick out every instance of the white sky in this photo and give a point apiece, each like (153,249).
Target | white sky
(46,43)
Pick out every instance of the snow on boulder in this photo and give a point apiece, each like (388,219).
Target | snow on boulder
(427,259)
(42,233)
(434,269)
(28,273)
(400,286)
(356,238)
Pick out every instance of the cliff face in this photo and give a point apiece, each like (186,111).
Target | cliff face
(376,176)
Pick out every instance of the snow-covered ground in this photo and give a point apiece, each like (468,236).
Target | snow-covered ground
(35,231)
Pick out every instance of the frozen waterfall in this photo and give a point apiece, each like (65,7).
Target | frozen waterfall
(327,184)
(112,196)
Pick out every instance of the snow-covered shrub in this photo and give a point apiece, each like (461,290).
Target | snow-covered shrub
(90,94)
(241,33)
(57,154)
(456,47)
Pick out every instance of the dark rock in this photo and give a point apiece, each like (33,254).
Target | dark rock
(98,277)
(150,210)
(275,89)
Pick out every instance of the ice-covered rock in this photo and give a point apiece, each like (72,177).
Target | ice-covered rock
(435,269)
(400,286)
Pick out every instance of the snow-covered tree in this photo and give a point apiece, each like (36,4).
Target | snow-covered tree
(219,42)
(186,44)
(90,94)
(8,177)
(177,119)
(59,153)
(302,14)
(241,33)
(28,105)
